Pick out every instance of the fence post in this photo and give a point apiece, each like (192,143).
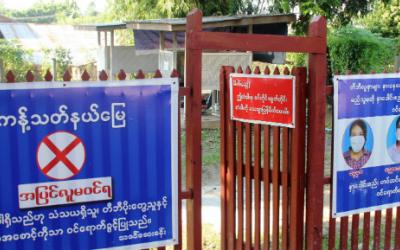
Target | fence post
(193,131)
(316,133)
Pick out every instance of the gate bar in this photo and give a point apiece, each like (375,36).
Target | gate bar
(316,138)
(254,42)
(193,134)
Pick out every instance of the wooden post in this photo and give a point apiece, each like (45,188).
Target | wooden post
(193,132)
(296,224)
(162,40)
(316,133)
(99,38)
(175,49)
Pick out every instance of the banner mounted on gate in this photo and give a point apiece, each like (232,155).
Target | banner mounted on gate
(366,160)
(263,99)
(89,165)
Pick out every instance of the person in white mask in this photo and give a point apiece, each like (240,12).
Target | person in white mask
(357,156)
(394,150)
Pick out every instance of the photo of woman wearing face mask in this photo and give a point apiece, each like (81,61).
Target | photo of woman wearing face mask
(357,155)
(394,141)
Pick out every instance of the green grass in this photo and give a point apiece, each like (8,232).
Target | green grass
(210,143)
(210,147)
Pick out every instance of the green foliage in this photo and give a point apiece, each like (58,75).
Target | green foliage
(384,19)
(338,12)
(15,58)
(359,50)
(63,61)
(45,12)
(297,59)
(125,10)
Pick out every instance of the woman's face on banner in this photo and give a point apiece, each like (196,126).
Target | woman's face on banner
(357,139)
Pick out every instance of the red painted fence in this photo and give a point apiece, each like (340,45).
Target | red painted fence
(281,175)
(262,175)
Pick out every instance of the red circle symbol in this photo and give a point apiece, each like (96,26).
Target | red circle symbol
(61,155)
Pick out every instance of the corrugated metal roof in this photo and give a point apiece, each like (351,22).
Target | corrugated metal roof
(178,24)
(36,37)
(102,26)
(5,19)
(212,19)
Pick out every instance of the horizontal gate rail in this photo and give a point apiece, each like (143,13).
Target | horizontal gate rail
(255,42)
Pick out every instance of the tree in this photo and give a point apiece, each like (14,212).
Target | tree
(15,58)
(62,57)
(384,19)
(91,9)
(42,12)
(338,12)
(125,10)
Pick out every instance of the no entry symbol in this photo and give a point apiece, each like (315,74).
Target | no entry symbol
(60,155)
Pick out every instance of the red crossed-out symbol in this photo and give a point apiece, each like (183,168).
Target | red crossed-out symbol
(60,155)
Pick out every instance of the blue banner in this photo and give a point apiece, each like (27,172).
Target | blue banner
(366,160)
(88,165)
(368,97)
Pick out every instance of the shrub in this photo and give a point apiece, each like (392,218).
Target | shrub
(15,58)
(360,50)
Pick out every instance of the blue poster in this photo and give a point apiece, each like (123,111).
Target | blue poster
(89,165)
(366,160)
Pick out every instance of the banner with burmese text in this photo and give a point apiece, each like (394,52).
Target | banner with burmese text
(366,159)
(90,165)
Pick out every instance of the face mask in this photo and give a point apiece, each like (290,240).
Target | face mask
(357,143)
(398,134)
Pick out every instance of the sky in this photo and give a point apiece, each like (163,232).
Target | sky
(23,4)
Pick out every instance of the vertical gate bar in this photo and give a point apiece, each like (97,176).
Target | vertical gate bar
(354,231)
(257,185)
(316,138)
(332,221)
(276,163)
(377,229)
(248,167)
(193,132)
(179,246)
(397,230)
(257,181)
(285,181)
(239,127)
(267,179)
(10,77)
(297,163)
(267,185)
(231,164)
(388,228)
(366,230)
(285,184)
(275,187)
(29,77)
(223,157)
(103,75)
